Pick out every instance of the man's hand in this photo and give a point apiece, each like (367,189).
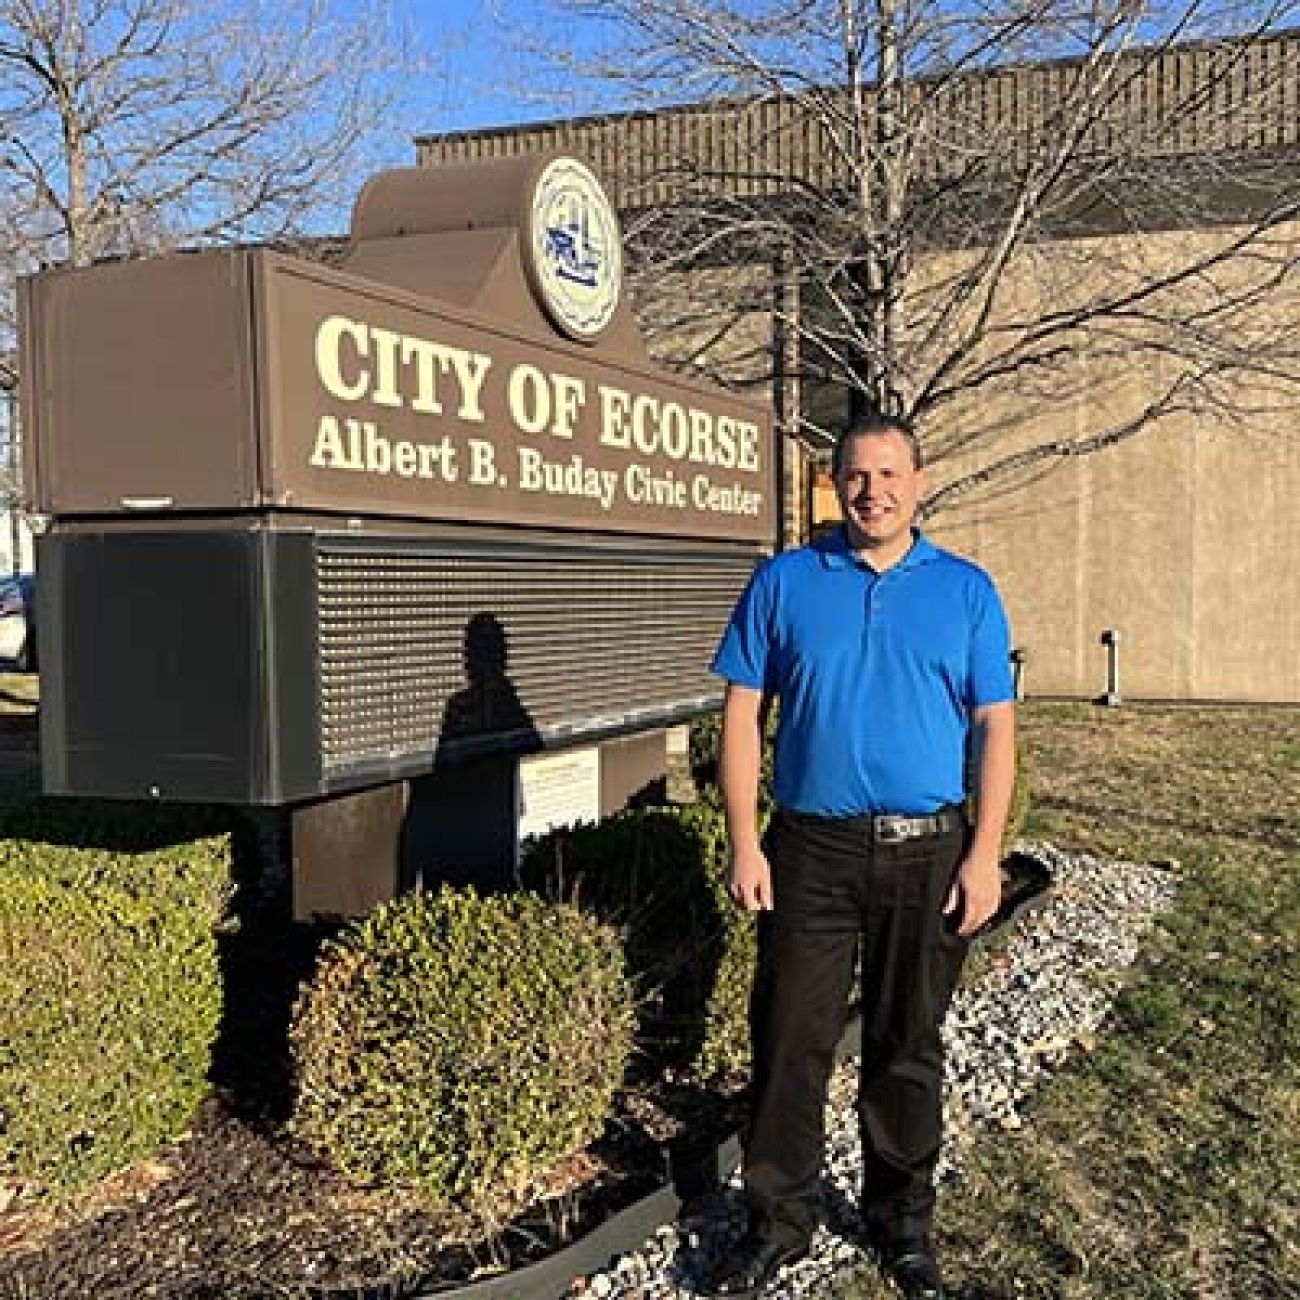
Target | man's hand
(976,891)
(751,880)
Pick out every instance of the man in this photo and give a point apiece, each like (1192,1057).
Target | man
(889,661)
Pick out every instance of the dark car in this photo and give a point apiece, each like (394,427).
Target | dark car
(18,620)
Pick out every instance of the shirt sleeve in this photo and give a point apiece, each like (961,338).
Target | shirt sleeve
(990,657)
(744,654)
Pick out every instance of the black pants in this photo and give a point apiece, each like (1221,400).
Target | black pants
(833,888)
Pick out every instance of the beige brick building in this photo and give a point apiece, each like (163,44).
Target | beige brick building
(1183,538)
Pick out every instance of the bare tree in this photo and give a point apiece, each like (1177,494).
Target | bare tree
(976,206)
(134,126)
(129,125)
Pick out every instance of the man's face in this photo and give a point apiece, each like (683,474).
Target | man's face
(878,489)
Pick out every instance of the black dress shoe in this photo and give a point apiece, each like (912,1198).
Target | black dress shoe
(748,1267)
(912,1268)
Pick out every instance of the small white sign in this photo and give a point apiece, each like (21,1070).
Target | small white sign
(558,790)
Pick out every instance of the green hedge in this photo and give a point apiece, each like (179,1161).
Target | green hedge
(110,997)
(193,876)
(660,876)
(724,1049)
(462,1046)
(706,753)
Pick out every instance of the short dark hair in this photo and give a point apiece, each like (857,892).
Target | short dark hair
(875,426)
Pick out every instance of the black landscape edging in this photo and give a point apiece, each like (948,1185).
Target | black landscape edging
(551,1278)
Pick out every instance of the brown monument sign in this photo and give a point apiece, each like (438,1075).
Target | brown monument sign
(382,530)
(253,380)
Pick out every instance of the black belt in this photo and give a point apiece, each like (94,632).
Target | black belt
(893,828)
(887,828)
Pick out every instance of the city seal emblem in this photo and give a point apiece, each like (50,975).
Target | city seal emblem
(575,250)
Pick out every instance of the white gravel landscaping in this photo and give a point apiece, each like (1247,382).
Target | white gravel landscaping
(1044,993)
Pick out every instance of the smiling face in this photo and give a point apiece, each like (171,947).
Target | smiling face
(879,487)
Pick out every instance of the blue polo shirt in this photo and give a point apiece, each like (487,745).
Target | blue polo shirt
(876,674)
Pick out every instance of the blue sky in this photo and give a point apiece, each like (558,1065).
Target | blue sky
(479,69)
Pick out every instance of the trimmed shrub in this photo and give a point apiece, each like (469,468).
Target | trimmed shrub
(190,877)
(724,1044)
(660,876)
(116,825)
(706,753)
(110,998)
(462,1046)
(706,745)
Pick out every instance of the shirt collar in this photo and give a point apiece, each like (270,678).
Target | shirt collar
(836,553)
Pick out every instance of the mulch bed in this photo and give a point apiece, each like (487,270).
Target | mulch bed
(238,1210)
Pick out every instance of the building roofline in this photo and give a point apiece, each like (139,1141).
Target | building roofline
(686,107)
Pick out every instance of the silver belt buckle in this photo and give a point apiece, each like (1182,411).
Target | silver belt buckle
(893,830)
